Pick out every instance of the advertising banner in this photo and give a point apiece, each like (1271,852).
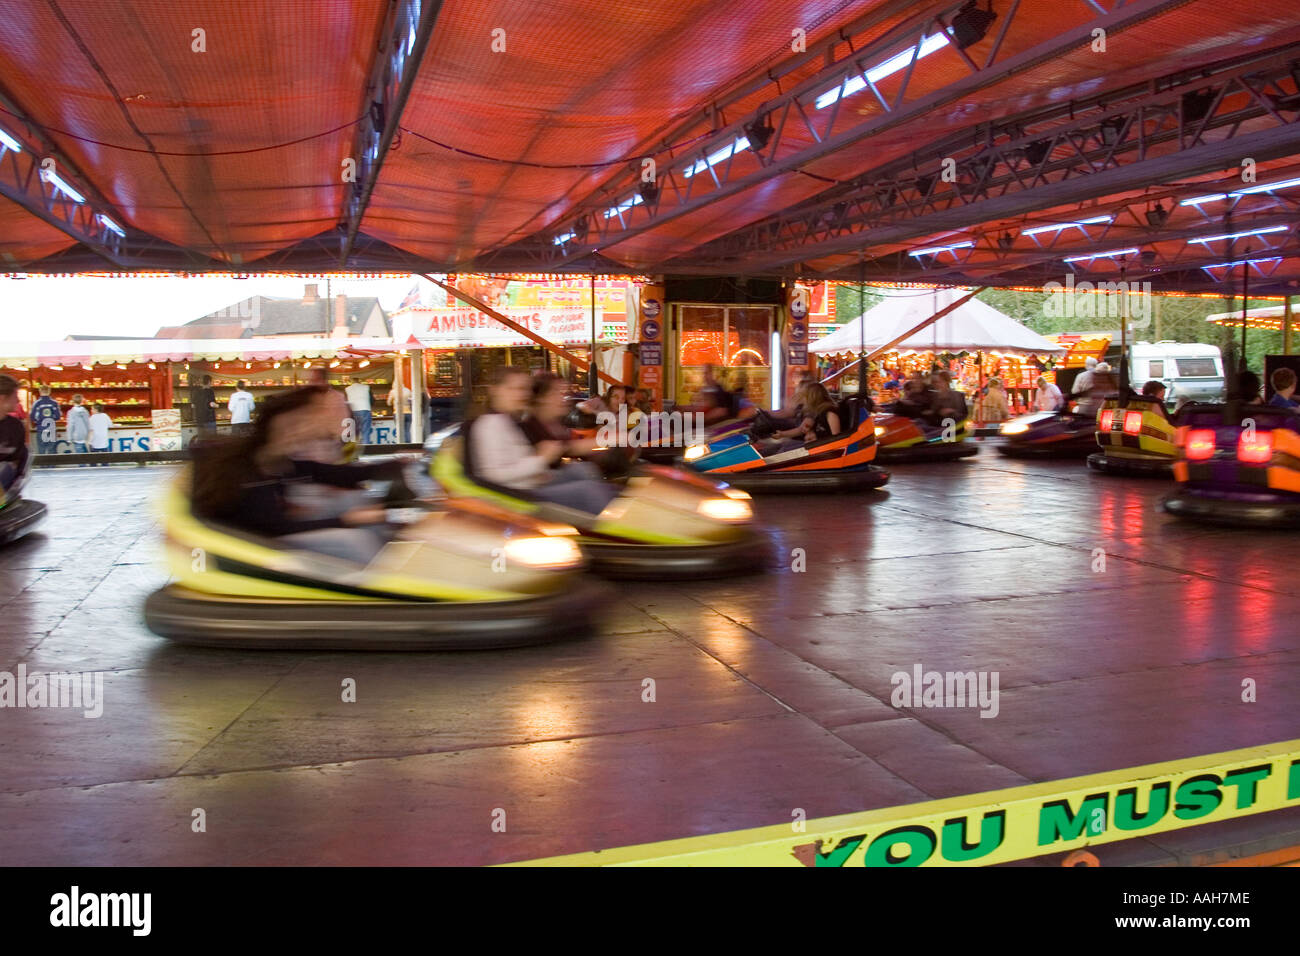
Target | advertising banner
(166,429)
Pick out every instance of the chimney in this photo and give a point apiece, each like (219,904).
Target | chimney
(310,292)
(340,316)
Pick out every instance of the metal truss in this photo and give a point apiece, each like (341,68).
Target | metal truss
(59,195)
(402,42)
(1207,120)
(803,124)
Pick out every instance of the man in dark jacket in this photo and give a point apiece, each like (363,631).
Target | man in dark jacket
(203,401)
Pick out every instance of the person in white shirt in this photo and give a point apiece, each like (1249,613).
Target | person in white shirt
(358,396)
(1048,398)
(78,425)
(241,406)
(99,425)
(499,452)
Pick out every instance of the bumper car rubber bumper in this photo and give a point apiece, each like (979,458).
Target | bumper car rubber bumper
(931,451)
(1066,448)
(190,617)
(1131,467)
(19,518)
(1282,512)
(843,480)
(667,562)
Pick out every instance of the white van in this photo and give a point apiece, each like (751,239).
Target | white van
(1190,371)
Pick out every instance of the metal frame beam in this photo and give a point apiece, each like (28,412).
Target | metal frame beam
(1028,166)
(690,181)
(403,39)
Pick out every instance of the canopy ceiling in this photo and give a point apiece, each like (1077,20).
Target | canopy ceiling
(488,135)
(972,327)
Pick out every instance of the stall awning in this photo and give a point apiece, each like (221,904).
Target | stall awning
(973,327)
(121,351)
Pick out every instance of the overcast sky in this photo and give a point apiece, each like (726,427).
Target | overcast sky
(48,309)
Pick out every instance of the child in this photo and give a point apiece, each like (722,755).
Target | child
(99,425)
(45,415)
(78,425)
(13,437)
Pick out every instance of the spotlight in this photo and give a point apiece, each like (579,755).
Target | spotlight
(580,228)
(649,193)
(1148,255)
(970,24)
(759,133)
(1005,241)
(924,184)
(1157,216)
(1196,106)
(1110,130)
(1037,151)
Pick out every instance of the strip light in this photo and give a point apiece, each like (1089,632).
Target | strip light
(1249,190)
(55,180)
(714,158)
(875,74)
(1066,225)
(9,142)
(1239,235)
(1102,255)
(934,249)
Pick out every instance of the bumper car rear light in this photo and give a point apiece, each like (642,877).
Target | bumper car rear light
(1133,423)
(1107,417)
(1200,444)
(1257,450)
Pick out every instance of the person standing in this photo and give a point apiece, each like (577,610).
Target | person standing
(99,425)
(45,416)
(78,425)
(358,396)
(203,401)
(994,406)
(1048,397)
(241,405)
(1083,382)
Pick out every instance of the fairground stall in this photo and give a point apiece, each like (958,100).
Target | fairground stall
(143,384)
(974,341)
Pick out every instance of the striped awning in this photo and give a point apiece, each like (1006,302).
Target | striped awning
(123,351)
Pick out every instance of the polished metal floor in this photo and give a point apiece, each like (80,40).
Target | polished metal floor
(1119,637)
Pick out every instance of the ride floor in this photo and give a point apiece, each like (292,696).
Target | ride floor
(770,693)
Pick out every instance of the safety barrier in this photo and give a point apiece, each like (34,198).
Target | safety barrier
(999,825)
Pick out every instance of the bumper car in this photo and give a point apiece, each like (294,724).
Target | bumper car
(18,515)
(1239,466)
(666,523)
(841,463)
(1062,434)
(902,440)
(452,581)
(1137,439)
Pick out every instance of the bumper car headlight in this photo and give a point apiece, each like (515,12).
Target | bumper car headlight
(696,451)
(737,494)
(550,552)
(1014,428)
(880,430)
(725,509)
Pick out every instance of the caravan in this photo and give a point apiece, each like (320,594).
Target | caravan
(1191,373)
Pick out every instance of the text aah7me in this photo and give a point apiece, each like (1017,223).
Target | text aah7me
(1099,817)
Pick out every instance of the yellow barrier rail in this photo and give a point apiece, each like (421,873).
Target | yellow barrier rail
(998,825)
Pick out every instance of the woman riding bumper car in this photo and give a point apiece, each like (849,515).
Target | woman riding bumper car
(259,564)
(658,523)
(1239,466)
(926,426)
(18,515)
